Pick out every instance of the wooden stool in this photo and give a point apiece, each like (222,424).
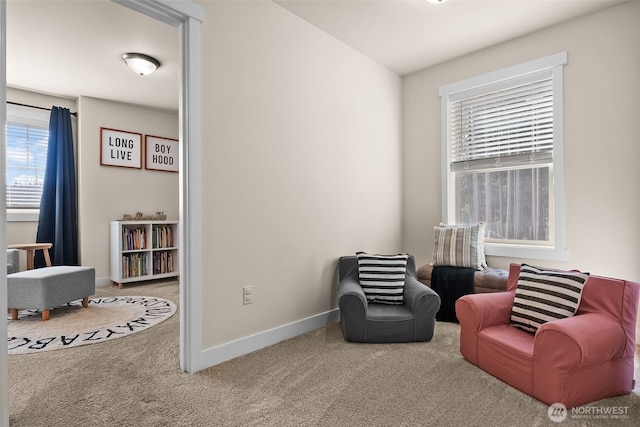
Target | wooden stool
(31,249)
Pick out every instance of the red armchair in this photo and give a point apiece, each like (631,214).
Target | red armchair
(572,361)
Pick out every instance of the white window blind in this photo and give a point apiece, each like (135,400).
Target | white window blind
(503,127)
(26,158)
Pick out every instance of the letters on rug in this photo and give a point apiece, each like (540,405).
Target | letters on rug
(71,325)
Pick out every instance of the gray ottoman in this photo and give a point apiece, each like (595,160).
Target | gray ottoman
(45,288)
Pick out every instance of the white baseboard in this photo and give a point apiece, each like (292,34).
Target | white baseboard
(218,354)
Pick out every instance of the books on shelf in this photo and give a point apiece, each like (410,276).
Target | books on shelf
(143,250)
(163,262)
(134,239)
(163,236)
(134,265)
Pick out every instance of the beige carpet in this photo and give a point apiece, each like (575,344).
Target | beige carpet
(313,380)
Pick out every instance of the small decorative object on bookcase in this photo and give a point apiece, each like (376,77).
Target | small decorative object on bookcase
(143,250)
(139,216)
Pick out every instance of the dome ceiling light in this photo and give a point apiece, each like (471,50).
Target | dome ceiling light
(140,63)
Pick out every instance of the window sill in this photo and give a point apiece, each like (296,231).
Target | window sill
(23,215)
(526,252)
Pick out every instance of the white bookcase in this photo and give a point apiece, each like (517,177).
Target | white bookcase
(143,250)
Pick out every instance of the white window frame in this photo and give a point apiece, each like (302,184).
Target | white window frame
(36,117)
(556,250)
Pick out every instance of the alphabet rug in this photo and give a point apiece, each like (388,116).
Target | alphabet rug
(70,325)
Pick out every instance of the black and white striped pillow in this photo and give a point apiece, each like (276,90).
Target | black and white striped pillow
(382,277)
(545,295)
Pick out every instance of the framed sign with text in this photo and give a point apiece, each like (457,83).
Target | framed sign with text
(162,153)
(120,148)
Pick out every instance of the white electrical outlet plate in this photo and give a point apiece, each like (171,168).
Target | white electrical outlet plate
(247,294)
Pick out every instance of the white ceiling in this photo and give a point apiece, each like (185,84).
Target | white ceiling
(408,35)
(73,48)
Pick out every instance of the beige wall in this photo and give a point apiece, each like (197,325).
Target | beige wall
(601,127)
(105,193)
(302,164)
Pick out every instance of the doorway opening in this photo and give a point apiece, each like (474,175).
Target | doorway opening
(187,17)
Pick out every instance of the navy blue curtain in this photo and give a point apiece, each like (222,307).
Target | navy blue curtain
(58,206)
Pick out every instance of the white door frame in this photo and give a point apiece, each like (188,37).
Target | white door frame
(187,16)
(4,356)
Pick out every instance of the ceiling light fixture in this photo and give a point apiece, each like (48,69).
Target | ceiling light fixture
(140,63)
(436,1)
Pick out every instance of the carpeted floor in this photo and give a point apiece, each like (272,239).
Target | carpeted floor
(316,379)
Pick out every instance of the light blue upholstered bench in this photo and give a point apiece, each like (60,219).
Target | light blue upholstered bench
(45,288)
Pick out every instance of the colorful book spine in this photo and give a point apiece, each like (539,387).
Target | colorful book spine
(134,239)
(163,262)
(134,265)
(163,237)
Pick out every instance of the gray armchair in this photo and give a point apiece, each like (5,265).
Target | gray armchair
(13,261)
(383,323)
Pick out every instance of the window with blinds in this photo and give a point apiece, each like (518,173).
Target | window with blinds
(503,155)
(510,126)
(26,158)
